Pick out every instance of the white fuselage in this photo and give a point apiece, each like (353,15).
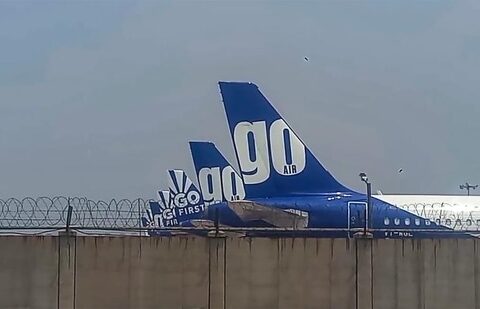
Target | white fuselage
(458,212)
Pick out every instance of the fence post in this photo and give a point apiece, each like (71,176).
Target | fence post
(69,217)
(139,219)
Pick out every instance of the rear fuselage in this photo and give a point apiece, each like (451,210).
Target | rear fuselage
(344,215)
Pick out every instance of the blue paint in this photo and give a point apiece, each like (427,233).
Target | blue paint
(289,178)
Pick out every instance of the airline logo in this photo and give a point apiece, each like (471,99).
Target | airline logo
(148,221)
(259,147)
(161,213)
(185,198)
(219,185)
(167,211)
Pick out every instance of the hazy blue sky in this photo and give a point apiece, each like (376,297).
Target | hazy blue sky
(99,98)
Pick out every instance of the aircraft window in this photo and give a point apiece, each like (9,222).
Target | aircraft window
(469,222)
(417,221)
(427,222)
(386,221)
(458,222)
(437,221)
(407,221)
(396,221)
(448,222)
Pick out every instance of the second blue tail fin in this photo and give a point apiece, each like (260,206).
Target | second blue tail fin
(218,181)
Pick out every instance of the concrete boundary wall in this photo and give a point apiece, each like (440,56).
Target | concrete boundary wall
(70,272)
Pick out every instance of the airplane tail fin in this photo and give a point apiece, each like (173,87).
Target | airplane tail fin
(147,219)
(154,218)
(161,213)
(185,198)
(218,180)
(272,158)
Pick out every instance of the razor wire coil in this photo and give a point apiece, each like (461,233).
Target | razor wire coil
(46,212)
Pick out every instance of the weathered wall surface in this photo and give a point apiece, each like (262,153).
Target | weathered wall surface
(193,272)
(290,273)
(429,273)
(28,272)
(135,272)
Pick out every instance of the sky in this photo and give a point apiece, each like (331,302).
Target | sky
(99,98)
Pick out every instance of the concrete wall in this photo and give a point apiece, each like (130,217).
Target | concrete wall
(192,272)
(290,273)
(426,273)
(28,272)
(134,272)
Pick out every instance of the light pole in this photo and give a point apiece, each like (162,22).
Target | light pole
(467,187)
(368,211)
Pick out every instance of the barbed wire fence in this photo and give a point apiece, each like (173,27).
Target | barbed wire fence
(52,213)
(47,214)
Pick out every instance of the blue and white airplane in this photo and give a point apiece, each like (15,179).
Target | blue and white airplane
(182,202)
(282,185)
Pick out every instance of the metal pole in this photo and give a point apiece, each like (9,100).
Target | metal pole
(366,220)
(140,233)
(217,217)
(369,206)
(367,225)
(69,217)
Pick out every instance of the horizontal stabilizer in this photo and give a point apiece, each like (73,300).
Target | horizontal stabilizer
(252,211)
(209,224)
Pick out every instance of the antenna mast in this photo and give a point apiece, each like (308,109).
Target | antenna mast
(467,187)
